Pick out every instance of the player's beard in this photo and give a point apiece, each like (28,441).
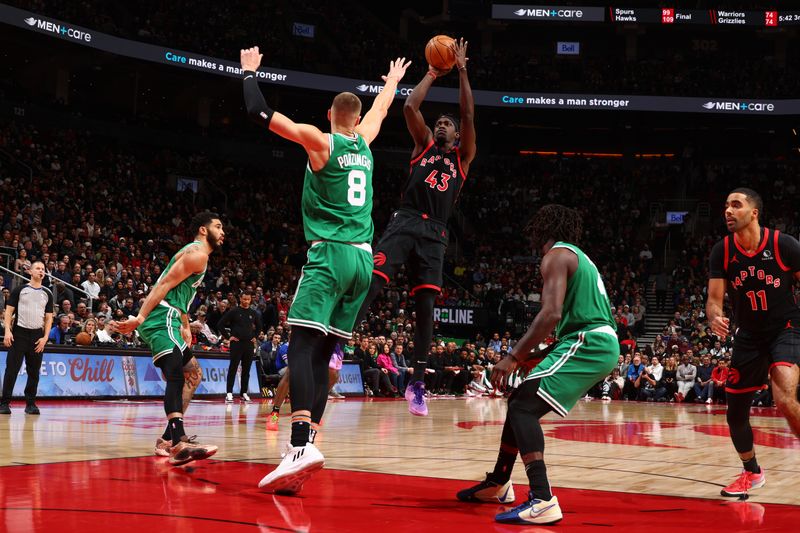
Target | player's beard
(214,241)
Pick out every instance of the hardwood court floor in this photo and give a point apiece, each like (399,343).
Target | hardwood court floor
(88,466)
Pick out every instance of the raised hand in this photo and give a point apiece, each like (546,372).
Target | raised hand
(250,58)
(397,69)
(459,48)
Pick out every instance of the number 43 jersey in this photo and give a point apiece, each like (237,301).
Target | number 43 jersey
(760,285)
(435,179)
(337,199)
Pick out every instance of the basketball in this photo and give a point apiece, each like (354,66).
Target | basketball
(83,339)
(439,53)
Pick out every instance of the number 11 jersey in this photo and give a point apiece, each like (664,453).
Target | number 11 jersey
(760,285)
(337,199)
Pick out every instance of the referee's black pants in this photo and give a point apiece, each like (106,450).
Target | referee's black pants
(23,347)
(241,352)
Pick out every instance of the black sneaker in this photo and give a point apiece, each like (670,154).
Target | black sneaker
(31,409)
(5,409)
(488,491)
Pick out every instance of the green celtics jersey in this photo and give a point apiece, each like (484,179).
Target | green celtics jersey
(586,303)
(337,199)
(181,295)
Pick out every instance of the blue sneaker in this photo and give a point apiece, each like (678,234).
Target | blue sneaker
(416,402)
(532,512)
(488,491)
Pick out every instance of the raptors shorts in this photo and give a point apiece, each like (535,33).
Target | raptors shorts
(755,354)
(414,240)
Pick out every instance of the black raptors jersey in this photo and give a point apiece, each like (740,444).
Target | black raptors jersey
(760,285)
(434,182)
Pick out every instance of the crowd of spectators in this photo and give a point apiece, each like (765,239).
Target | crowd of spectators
(354,39)
(105,221)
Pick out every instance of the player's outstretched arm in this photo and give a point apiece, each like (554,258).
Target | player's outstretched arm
(415,122)
(190,262)
(310,137)
(371,125)
(466,143)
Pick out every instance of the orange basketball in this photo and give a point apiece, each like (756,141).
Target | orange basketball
(83,339)
(439,53)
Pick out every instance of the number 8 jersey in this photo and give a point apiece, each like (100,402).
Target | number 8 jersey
(760,285)
(434,181)
(337,199)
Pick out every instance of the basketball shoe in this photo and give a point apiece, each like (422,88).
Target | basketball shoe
(187,450)
(532,511)
(228,397)
(246,398)
(272,421)
(298,464)
(416,400)
(746,481)
(162,447)
(488,491)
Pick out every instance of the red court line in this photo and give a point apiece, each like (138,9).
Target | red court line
(145,493)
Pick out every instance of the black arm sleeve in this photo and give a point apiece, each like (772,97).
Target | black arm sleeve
(716,267)
(257,108)
(789,251)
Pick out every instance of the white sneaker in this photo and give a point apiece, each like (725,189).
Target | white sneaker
(246,398)
(299,463)
(229,398)
(710,400)
(532,512)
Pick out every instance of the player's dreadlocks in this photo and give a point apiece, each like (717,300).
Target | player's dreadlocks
(555,222)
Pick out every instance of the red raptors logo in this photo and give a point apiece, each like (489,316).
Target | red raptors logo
(733,376)
(379,259)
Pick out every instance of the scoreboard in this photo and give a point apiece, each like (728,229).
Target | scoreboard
(647,15)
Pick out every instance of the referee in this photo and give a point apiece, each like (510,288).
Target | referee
(243,323)
(33,306)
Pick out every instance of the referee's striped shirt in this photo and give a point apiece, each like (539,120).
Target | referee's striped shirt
(31,304)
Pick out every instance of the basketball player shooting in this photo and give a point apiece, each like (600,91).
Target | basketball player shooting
(337,219)
(417,232)
(758,267)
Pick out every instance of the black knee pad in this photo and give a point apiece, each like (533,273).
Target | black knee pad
(171,365)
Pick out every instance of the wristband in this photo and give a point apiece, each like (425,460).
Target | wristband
(432,74)
(462,68)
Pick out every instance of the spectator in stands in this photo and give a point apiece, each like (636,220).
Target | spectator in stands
(704,385)
(495,343)
(612,386)
(400,363)
(719,377)
(384,361)
(669,381)
(91,286)
(686,375)
(90,328)
(633,379)
(204,335)
(59,332)
(652,381)
(103,336)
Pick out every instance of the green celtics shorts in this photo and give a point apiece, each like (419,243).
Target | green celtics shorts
(332,287)
(161,331)
(578,362)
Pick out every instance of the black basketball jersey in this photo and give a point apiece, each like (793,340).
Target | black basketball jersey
(760,285)
(435,179)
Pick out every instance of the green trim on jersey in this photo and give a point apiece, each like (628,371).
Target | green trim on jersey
(182,294)
(586,303)
(337,199)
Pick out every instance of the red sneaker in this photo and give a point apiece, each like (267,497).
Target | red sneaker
(746,481)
